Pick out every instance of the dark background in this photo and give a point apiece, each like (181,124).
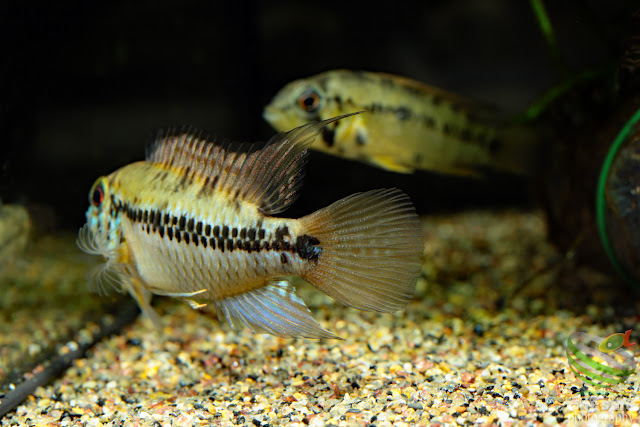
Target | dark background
(83,85)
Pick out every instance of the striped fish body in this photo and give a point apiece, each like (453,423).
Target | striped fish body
(408,126)
(226,246)
(194,221)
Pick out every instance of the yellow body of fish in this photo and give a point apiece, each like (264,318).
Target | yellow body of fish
(194,221)
(408,125)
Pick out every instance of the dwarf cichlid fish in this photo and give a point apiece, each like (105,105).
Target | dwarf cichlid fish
(408,126)
(194,221)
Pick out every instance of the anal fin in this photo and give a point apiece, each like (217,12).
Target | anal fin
(273,309)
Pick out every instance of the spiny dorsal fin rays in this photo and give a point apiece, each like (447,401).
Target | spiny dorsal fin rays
(267,175)
(216,164)
(272,182)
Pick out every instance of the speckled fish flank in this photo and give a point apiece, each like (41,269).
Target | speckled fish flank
(408,126)
(194,221)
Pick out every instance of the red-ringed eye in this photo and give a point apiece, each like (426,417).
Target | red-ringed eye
(97,194)
(309,101)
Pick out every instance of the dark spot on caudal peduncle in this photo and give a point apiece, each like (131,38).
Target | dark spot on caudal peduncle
(308,247)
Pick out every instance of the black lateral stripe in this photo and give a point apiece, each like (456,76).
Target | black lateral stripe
(220,237)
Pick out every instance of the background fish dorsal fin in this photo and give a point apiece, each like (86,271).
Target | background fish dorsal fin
(268,175)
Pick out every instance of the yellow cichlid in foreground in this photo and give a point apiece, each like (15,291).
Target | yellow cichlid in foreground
(194,221)
(408,126)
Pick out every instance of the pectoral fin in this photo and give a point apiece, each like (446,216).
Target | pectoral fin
(143,297)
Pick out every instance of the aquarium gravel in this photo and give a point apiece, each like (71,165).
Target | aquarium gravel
(469,349)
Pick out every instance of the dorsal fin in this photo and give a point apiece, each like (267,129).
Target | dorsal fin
(267,175)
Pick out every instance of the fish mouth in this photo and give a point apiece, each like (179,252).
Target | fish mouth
(270,114)
(277,119)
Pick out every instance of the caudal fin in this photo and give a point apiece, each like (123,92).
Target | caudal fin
(372,247)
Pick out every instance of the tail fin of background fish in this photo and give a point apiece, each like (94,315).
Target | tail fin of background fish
(371,249)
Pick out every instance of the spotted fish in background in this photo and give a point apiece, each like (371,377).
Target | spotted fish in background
(408,125)
(194,221)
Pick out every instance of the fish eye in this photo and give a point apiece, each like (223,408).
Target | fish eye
(96,196)
(309,100)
